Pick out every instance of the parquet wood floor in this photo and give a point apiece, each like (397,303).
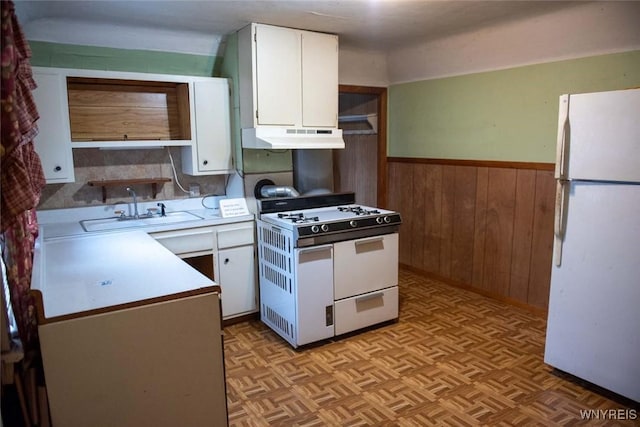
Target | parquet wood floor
(454,358)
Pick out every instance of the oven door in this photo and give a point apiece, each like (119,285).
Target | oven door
(313,288)
(365,265)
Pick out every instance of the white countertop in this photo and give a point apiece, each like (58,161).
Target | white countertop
(78,271)
(97,271)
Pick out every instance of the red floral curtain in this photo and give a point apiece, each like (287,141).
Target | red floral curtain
(22,178)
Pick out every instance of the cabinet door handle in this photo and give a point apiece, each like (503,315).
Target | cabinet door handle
(226,260)
(205,162)
(57,169)
(369,240)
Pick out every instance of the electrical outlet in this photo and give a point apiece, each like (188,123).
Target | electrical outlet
(194,190)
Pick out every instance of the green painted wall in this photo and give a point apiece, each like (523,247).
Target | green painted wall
(47,54)
(508,115)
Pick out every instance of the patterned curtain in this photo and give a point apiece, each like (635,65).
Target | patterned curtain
(21,173)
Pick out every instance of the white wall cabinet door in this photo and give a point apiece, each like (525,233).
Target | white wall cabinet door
(319,80)
(211,153)
(236,268)
(53,142)
(277,76)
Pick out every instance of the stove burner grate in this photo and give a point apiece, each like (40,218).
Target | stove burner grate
(298,218)
(358,210)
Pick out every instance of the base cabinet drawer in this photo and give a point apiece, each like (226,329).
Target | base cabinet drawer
(365,310)
(187,241)
(232,235)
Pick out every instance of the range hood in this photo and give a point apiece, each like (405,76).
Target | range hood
(291,138)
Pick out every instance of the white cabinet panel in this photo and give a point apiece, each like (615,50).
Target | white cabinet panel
(277,75)
(211,153)
(365,265)
(319,83)
(237,279)
(314,293)
(137,366)
(53,142)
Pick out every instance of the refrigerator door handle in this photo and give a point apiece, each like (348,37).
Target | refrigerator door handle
(562,199)
(562,146)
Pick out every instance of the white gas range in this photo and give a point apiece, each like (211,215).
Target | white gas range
(327,266)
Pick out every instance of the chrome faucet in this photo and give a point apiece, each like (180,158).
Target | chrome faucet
(136,215)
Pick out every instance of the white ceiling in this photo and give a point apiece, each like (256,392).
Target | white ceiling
(377,25)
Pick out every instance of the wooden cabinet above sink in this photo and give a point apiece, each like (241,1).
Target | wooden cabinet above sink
(124,110)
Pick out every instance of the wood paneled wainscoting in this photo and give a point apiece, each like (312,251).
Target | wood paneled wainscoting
(483,225)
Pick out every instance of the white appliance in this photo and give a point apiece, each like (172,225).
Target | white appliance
(593,329)
(326,270)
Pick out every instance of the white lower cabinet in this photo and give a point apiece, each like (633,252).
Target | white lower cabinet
(236,275)
(234,268)
(225,253)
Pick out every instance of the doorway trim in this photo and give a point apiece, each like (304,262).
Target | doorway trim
(381,93)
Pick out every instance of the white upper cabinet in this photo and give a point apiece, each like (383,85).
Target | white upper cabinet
(319,82)
(109,109)
(288,77)
(212,153)
(53,143)
(277,76)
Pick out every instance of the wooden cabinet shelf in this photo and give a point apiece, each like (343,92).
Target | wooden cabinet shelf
(102,109)
(104,183)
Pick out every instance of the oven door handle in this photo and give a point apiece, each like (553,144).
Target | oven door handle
(366,241)
(314,249)
(369,297)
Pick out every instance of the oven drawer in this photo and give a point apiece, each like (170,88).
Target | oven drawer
(365,310)
(365,265)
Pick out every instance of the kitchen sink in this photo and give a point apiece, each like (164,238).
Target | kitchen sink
(115,223)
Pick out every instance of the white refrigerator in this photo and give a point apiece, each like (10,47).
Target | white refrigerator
(593,329)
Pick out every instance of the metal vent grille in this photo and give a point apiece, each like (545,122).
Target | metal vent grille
(275,257)
(277,287)
(277,321)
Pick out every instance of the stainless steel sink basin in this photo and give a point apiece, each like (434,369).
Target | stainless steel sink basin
(115,223)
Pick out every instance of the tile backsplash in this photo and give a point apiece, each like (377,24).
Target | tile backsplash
(95,164)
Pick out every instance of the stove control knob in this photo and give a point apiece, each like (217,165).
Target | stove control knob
(387,219)
(324,227)
(353,224)
(314,229)
(379,220)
